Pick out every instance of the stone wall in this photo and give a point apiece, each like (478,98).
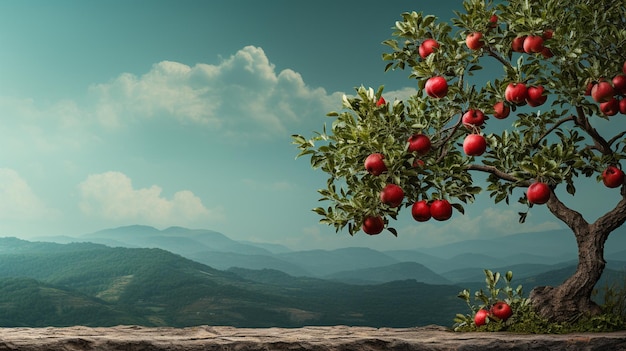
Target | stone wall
(433,338)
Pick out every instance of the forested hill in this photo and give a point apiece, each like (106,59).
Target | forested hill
(46,284)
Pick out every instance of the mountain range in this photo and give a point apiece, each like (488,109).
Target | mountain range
(525,254)
(181,277)
(50,284)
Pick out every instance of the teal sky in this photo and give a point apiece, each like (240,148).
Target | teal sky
(180,113)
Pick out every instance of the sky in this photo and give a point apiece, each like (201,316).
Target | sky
(179,113)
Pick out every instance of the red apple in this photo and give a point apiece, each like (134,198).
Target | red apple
(421,211)
(548,34)
(538,193)
(547,53)
(392,195)
(622,106)
(501,110)
(493,21)
(588,88)
(373,225)
(436,87)
(419,143)
(619,83)
(418,163)
(474,145)
(613,177)
(441,210)
(375,164)
(481,317)
(533,44)
(474,40)
(602,91)
(610,108)
(427,47)
(515,93)
(535,96)
(518,44)
(501,310)
(473,118)
(380,101)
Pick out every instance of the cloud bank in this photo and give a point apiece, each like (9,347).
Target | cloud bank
(242,95)
(17,199)
(111,196)
(173,107)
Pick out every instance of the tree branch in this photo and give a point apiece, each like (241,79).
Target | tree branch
(613,218)
(615,138)
(555,126)
(498,173)
(599,143)
(573,219)
(452,130)
(495,55)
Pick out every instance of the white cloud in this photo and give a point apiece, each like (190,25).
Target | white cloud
(111,196)
(242,95)
(42,128)
(403,94)
(17,199)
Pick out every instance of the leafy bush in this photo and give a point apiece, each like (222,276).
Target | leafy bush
(525,320)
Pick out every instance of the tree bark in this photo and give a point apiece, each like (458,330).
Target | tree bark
(572,299)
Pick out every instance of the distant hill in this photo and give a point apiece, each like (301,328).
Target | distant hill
(28,302)
(522,270)
(154,287)
(324,262)
(396,271)
(93,284)
(524,253)
(395,302)
(619,255)
(226,260)
(548,243)
(553,243)
(175,239)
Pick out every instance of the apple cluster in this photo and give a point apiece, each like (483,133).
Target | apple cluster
(392,195)
(539,193)
(610,95)
(437,87)
(533,44)
(500,310)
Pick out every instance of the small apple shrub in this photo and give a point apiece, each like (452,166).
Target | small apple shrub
(523,319)
(485,300)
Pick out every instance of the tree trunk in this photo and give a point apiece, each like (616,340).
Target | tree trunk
(572,298)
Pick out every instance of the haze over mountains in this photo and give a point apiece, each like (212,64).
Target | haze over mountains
(180,277)
(525,254)
(49,284)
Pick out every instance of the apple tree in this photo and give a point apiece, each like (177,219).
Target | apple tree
(513,91)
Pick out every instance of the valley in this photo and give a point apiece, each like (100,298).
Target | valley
(183,277)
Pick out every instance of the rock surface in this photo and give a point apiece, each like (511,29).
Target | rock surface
(432,338)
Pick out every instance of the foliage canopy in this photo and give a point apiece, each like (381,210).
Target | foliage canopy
(555,143)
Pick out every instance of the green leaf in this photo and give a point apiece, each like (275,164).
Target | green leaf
(522,216)
(428,20)
(393,231)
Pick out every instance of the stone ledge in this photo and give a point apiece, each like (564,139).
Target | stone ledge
(335,338)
